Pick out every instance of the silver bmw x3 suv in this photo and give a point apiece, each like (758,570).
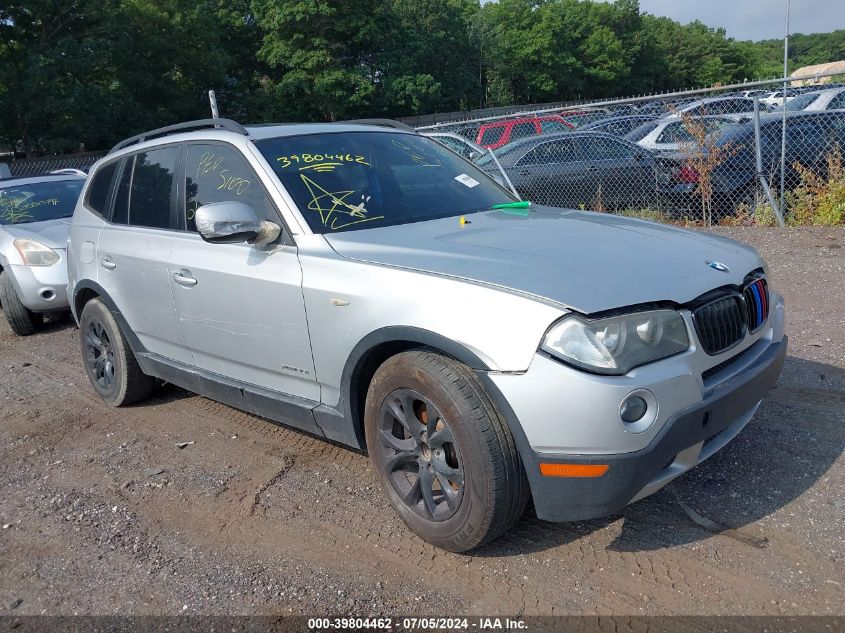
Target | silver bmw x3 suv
(366,285)
(34,220)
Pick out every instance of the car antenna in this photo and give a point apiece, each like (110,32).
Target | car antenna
(504,175)
(212,99)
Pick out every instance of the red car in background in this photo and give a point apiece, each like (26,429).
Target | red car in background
(497,133)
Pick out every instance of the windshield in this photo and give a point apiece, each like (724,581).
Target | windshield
(639,133)
(583,118)
(678,131)
(799,103)
(344,181)
(39,201)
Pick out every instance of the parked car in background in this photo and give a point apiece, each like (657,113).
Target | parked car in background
(622,109)
(458,144)
(810,138)
(774,97)
(578,169)
(498,133)
(818,100)
(34,219)
(716,105)
(580,118)
(750,94)
(618,125)
(659,107)
(483,353)
(668,134)
(640,132)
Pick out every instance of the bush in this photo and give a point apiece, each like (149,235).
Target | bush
(655,215)
(819,199)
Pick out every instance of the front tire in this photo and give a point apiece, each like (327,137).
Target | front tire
(22,320)
(444,455)
(109,361)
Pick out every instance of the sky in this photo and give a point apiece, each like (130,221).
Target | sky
(754,19)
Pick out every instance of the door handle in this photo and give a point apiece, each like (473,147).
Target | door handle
(593,168)
(107,263)
(184,280)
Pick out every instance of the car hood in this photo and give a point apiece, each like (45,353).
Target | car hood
(587,261)
(52,233)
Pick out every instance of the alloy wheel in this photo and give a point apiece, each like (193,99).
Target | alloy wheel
(99,354)
(419,455)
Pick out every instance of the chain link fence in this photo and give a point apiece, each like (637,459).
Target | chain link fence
(44,165)
(731,155)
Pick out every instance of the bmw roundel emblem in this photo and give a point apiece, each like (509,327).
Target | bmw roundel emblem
(718,266)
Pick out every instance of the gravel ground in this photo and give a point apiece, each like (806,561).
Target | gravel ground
(103,513)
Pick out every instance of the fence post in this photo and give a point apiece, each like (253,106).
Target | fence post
(759,157)
(783,107)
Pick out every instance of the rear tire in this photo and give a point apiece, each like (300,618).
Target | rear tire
(22,320)
(109,361)
(443,453)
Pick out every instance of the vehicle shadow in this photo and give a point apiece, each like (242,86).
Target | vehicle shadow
(61,321)
(789,445)
(52,323)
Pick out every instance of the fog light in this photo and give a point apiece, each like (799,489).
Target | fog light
(633,409)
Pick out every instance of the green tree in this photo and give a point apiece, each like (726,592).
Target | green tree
(46,50)
(428,61)
(321,55)
(83,73)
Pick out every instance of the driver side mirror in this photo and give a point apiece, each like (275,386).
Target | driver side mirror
(232,222)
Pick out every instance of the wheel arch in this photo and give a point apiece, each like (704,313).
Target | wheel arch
(375,348)
(85,291)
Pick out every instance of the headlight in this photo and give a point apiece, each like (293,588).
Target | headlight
(616,345)
(36,254)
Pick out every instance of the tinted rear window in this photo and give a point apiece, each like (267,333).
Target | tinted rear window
(152,187)
(522,130)
(492,135)
(98,192)
(120,215)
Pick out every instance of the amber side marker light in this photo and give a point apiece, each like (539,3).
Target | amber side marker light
(573,470)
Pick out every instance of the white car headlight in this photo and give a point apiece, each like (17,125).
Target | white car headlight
(617,344)
(35,253)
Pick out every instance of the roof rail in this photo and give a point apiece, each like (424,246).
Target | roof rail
(201,124)
(383,123)
(67,171)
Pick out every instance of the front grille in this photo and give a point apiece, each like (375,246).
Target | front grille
(721,323)
(756,295)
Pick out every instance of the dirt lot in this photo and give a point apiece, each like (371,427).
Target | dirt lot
(102,513)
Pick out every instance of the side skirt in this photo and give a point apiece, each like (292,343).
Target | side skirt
(277,407)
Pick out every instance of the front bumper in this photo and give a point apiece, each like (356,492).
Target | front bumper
(42,288)
(687,439)
(559,415)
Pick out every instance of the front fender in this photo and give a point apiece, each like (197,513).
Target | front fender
(354,305)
